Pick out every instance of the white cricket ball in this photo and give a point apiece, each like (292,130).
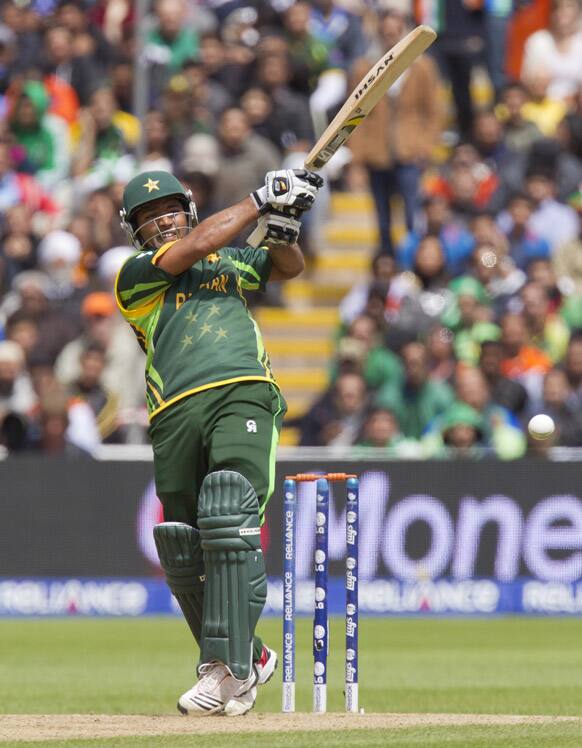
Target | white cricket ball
(541,426)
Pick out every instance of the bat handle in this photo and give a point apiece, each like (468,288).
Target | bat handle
(257,236)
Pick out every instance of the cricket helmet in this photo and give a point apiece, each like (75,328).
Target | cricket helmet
(147,188)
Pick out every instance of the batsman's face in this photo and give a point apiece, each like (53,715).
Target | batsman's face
(161,221)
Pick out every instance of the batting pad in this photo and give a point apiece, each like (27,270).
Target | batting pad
(181,558)
(236,583)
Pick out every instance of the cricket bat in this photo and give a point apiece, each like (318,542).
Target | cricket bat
(363,99)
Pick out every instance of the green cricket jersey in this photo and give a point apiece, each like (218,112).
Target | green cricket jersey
(195,328)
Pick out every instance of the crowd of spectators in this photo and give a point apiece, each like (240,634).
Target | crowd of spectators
(471,321)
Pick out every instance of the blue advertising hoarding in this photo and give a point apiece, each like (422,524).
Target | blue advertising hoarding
(441,538)
(45,597)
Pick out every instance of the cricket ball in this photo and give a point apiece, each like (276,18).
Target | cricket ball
(541,426)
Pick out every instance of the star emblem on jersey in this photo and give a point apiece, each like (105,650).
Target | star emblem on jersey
(220,333)
(214,309)
(186,341)
(191,317)
(204,330)
(151,185)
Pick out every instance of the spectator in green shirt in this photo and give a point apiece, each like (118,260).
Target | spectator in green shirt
(498,430)
(173,40)
(309,55)
(459,434)
(501,429)
(381,431)
(42,136)
(468,316)
(419,400)
(362,350)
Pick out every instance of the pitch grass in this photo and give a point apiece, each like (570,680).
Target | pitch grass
(538,736)
(505,666)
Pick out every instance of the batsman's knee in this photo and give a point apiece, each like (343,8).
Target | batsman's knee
(180,553)
(228,513)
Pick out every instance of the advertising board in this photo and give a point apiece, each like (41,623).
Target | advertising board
(452,538)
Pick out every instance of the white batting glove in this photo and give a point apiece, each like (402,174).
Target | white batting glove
(287,188)
(278,228)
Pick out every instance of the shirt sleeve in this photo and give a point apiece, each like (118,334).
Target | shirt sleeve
(253,266)
(140,282)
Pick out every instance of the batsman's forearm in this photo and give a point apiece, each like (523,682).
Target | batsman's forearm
(287,261)
(209,236)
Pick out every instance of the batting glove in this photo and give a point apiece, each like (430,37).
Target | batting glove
(287,188)
(279,227)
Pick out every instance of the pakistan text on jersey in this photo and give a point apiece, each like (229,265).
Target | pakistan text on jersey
(219,284)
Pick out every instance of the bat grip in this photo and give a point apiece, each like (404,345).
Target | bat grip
(257,236)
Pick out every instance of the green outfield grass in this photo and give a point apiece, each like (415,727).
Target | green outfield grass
(501,666)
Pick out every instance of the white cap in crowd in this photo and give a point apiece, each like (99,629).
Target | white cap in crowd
(58,246)
(201,154)
(11,352)
(111,261)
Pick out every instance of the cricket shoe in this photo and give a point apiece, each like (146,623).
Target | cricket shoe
(241,703)
(215,688)
(266,666)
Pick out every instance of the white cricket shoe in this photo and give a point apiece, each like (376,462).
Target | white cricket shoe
(215,688)
(241,703)
(266,666)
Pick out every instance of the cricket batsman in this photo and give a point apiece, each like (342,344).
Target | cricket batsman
(215,409)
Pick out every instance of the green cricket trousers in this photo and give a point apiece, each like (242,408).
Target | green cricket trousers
(232,427)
